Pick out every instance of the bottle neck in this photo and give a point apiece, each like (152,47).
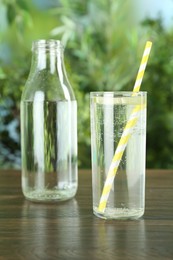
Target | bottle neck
(48,73)
(47,55)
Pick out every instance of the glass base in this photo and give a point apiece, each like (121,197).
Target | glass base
(49,195)
(119,213)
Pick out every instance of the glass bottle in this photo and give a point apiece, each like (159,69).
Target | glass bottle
(48,127)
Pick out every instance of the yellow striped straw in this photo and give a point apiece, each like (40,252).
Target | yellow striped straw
(142,66)
(126,132)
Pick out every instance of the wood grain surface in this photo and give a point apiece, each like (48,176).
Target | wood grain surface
(69,230)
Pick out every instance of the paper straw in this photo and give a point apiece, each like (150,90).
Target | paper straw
(142,66)
(126,133)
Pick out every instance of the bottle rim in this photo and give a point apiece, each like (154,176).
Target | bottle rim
(44,44)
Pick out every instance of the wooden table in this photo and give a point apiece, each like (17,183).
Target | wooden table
(70,231)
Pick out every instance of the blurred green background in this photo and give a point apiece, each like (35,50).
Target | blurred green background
(103,50)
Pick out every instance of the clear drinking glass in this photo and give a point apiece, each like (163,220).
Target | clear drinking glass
(48,127)
(110,113)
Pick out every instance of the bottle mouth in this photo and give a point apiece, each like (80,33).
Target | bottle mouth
(47,45)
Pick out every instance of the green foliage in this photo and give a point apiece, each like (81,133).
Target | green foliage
(101,45)
(100,50)
(158,83)
(103,52)
(17,12)
(13,74)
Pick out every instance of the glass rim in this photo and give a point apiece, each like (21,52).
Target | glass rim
(116,93)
